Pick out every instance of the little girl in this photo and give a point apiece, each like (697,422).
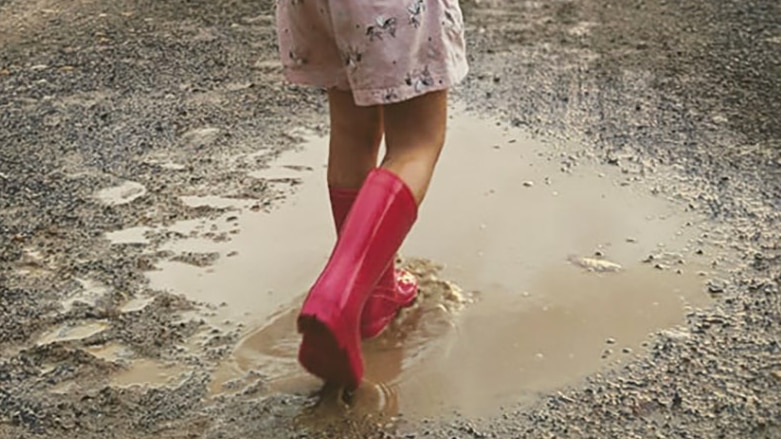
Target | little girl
(387,66)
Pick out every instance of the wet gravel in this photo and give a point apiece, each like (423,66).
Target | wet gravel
(682,98)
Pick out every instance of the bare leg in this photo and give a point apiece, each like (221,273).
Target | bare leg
(356,133)
(415,135)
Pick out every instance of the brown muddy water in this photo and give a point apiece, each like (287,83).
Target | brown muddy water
(534,267)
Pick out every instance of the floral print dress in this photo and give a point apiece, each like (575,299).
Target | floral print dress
(384,51)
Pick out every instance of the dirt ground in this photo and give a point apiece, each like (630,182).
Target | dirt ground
(112,112)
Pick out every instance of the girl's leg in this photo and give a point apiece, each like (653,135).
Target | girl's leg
(415,135)
(356,133)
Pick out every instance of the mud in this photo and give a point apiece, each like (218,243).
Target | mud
(609,267)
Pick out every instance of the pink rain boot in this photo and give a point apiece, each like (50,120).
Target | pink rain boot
(330,319)
(396,288)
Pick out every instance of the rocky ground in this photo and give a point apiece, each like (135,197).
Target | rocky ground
(683,98)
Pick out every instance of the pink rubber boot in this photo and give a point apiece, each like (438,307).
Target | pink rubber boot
(330,319)
(396,288)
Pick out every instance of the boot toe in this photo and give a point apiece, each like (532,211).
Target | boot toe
(384,304)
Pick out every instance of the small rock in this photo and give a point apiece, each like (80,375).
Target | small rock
(673,334)
(272,65)
(627,350)
(124,193)
(610,341)
(201,136)
(528,183)
(170,166)
(597,265)
(715,287)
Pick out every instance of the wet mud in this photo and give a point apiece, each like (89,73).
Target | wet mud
(598,254)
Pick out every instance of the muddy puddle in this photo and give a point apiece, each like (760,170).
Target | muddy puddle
(538,268)
(148,373)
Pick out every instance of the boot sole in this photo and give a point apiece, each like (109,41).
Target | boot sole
(321,354)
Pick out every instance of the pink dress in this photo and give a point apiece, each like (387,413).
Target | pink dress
(385,51)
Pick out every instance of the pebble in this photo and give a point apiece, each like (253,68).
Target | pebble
(674,334)
(124,193)
(715,287)
(528,183)
(598,265)
(201,136)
